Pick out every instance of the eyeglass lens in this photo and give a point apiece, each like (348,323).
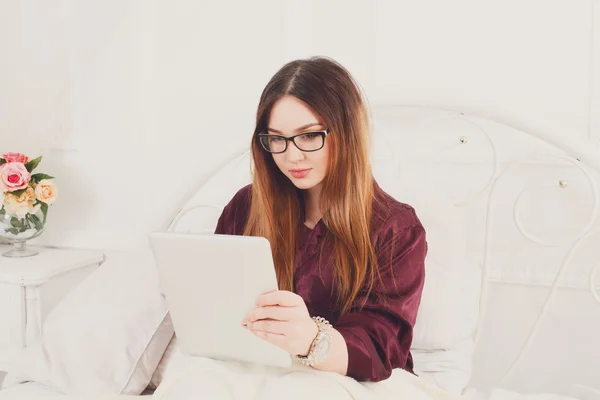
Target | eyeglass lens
(305,142)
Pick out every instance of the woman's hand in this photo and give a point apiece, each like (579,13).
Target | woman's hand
(281,318)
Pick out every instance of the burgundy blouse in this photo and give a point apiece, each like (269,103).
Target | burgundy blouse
(379,334)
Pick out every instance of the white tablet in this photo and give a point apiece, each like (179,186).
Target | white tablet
(211,282)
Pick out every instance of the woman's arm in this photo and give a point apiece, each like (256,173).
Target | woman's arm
(281,318)
(372,338)
(375,336)
(379,334)
(337,360)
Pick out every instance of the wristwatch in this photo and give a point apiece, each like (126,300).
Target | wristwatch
(321,345)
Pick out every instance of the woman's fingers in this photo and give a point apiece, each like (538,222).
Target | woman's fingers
(274,338)
(269,326)
(270,312)
(279,298)
(282,318)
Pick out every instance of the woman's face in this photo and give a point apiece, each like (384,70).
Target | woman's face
(291,116)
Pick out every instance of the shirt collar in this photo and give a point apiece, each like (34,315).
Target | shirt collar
(319,229)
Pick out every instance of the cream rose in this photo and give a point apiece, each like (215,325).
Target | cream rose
(13,176)
(20,206)
(46,191)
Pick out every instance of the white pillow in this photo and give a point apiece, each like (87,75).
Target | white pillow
(106,336)
(165,362)
(449,308)
(443,342)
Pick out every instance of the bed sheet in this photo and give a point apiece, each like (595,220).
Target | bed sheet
(35,391)
(501,394)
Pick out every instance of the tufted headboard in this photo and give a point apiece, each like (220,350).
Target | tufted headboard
(499,205)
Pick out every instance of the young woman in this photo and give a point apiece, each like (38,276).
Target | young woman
(349,258)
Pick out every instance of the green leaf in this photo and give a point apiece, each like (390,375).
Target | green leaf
(2,211)
(38,177)
(14,231)
(18,193)
(31,165)
(44,211)
(16,222)
(2,161)
(26,223)
(36,221)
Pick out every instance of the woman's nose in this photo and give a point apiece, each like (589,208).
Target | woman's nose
(293,153)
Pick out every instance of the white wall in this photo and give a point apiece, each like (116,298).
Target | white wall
(131,102)
(134,103)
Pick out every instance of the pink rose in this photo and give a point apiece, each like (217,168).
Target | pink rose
(13,176)
(15,157)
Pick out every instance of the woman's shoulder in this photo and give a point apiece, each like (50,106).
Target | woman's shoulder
(235,213)
(242,196)
(240,202)
(389,213)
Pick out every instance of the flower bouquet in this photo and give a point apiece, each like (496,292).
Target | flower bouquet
(26,197)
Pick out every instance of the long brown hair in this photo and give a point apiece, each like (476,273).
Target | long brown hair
(348,187)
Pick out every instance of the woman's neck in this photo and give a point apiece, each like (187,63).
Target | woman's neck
(312,211)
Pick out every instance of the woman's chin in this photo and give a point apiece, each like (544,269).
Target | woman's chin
(304,184)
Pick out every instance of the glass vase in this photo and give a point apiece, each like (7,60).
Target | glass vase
(18,230)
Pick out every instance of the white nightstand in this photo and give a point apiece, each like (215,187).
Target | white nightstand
(30,287)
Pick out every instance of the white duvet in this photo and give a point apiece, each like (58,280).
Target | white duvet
(203,378)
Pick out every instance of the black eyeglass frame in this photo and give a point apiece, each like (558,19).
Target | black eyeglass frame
(323,134)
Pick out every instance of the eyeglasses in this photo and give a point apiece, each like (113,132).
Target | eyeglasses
(307,142)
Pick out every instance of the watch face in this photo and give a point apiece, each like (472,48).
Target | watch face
(322,348)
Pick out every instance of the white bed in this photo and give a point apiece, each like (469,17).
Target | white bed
(512,224)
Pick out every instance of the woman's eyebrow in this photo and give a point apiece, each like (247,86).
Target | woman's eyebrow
(303,127)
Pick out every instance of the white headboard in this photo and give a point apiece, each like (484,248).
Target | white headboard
(501,206)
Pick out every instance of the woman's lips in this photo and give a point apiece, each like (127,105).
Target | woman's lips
(300,173)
